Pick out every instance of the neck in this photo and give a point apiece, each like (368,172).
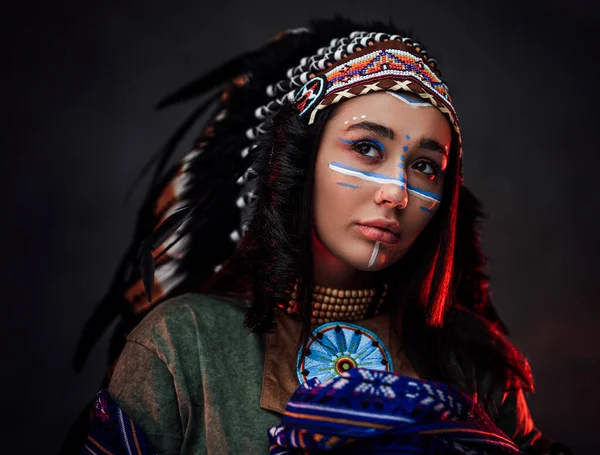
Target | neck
(331,271)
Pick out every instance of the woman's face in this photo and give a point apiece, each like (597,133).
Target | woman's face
(379,177)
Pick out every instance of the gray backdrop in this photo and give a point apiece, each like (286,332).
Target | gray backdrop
(80,80)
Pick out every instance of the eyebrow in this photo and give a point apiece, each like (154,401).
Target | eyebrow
(433,145)
(388,133)
(373,127)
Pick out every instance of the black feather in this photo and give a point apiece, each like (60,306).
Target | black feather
(207,82)
(147,269)
(164,154)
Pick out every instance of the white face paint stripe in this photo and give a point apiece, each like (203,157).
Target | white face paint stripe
(368,176)
(423,196)
(408,101)
(374,254)
(380,178)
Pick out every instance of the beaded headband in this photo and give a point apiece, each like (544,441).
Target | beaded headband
(392,65)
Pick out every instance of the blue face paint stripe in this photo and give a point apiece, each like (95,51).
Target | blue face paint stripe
(408,137)
(371,176)
(424,193)
(348,185)
(380,178)
(373,141)
(425,209)
(405,148)
(402,157)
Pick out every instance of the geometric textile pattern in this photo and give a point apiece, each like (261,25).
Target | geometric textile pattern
(385,62)
(365,412)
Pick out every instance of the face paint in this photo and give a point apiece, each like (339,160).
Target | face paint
(374,254)
(429,200)
(368,176)
(348,185)
(363,116)
(410,101)
(401,163)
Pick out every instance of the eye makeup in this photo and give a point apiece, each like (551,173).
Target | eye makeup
(353,143)
(429,201)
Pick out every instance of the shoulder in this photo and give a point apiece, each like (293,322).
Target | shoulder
(182,319)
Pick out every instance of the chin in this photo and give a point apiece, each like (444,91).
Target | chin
(377,266)
(382,261)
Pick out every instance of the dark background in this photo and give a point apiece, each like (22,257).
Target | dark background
(78,84)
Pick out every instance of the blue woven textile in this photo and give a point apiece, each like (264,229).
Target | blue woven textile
(367,412)
(112,432)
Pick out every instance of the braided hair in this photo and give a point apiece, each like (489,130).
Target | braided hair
(234,216)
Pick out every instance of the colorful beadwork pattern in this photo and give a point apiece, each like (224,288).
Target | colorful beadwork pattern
(392,68)
(368,412)
(337,347)
(389,62)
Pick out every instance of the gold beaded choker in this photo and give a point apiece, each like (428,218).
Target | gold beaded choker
(330,304)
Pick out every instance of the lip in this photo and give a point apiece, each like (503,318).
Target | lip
(383,223)
(384,231)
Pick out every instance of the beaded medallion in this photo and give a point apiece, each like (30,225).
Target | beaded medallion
(337,347)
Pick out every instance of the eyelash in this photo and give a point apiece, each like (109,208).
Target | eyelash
(354,145)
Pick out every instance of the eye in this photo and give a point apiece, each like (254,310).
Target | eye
(371,149)
(426,167)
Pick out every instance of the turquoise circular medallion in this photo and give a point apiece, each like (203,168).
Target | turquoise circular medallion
(336,347)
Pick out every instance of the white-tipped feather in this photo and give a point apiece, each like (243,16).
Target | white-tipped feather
(167,276)
(235,236)
(192,154)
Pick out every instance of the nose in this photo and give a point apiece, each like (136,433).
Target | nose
(392,195)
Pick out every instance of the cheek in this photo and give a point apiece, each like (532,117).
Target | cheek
(334,198)
(417,216)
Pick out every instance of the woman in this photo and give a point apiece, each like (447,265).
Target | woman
(357,249)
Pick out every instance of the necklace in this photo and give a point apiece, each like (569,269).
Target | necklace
(337,347)
(330,304)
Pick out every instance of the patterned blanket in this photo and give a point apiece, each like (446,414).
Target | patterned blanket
(367,412)
(360,412)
